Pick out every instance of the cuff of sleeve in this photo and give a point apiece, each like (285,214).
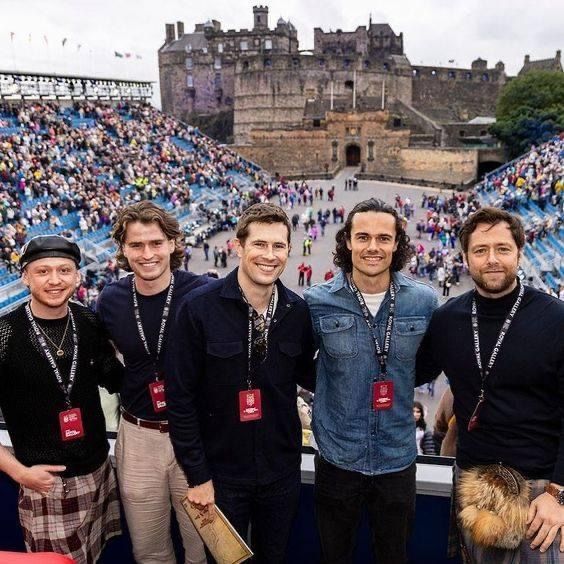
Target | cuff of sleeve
(198,475)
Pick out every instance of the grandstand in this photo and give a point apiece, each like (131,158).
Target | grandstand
(532,186)
(66,167)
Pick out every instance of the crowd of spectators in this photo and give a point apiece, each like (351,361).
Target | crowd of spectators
(51,167)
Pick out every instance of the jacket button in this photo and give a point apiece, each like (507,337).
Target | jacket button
(336,324)
(412,328)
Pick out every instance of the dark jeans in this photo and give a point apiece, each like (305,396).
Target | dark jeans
(269,509)
(340,495)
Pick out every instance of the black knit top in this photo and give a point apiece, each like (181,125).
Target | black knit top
(31,399)
(522,419)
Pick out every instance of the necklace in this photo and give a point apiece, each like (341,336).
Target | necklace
(58,348)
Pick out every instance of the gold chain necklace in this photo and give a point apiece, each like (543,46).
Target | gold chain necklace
(59,350)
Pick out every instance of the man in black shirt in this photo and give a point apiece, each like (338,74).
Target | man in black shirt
(137,311)
(53,356)
(501,348)
(241,345)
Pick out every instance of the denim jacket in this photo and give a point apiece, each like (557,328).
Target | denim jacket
(349,433)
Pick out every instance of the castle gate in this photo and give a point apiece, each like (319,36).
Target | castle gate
(353,155)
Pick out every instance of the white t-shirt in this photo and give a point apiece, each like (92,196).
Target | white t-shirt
(373,302)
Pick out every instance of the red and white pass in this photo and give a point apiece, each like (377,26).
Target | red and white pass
(157,391)
(383,395)
(250,408)
(71,424)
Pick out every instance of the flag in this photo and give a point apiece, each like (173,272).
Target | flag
(116,54)
(12,34)
(64,41)
(78,47)
(451,60)
(127,55)
(46,40)
(138,57)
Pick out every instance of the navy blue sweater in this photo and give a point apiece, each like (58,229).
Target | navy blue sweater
(521,422)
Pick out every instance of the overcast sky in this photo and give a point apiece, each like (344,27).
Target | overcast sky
(435,31)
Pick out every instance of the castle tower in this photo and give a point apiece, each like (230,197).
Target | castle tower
(261,18)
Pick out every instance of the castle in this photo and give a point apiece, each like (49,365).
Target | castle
(355,99)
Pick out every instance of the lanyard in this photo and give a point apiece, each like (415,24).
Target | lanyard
(263,338)
(43,344)
(166,311)
(484,373)
(381,353)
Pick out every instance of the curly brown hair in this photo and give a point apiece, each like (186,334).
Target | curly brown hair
(148,212)
(342,257)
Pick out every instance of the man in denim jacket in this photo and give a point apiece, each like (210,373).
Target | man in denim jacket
(368,322)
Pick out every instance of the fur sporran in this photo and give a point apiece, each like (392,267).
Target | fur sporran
(493,503)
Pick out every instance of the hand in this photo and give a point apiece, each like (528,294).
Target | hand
(202,497)
(545,519)
(40,477)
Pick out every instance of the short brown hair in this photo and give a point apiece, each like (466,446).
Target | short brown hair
(261,213)
(148,212)
(491,216)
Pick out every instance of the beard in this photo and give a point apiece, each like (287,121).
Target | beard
(498,286)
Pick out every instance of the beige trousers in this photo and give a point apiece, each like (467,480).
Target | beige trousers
(150,481)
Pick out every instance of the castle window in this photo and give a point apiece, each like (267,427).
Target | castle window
(204,50)
(190,81)
(397,122)
(386,67)
(268,44)
(434,72)
(268,62)
(220,47)
(295,62)
(451,74)
(321,62)
(468,76)
(483,133)
(485,77)
(245,65)
(244,46)
(461,133)
(349,84)
(217,63)
(217,80)
(346,63)
(415,73)
(366,64)
(316,123)
(188,48)
(189,63)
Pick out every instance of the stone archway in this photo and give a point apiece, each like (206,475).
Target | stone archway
(353,155)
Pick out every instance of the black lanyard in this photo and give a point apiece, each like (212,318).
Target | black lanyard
(484,373)
(267,322)
(381,352)
(43,344)
(166,311)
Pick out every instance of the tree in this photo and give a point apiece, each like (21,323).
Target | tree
(530,110)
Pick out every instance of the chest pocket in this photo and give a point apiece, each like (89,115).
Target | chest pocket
(408,333)
(220,358)
(339,334)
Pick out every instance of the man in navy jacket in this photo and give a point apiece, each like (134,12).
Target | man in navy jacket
(241,345)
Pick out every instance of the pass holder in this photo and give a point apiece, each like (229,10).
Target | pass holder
(382,395)
(70,422)
(158,397)
(250,405)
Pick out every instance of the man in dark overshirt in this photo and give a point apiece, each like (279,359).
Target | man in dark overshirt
(501,347)
(137,310)
(241,345)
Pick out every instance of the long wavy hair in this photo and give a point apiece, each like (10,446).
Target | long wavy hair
(342,257)
(148,212)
